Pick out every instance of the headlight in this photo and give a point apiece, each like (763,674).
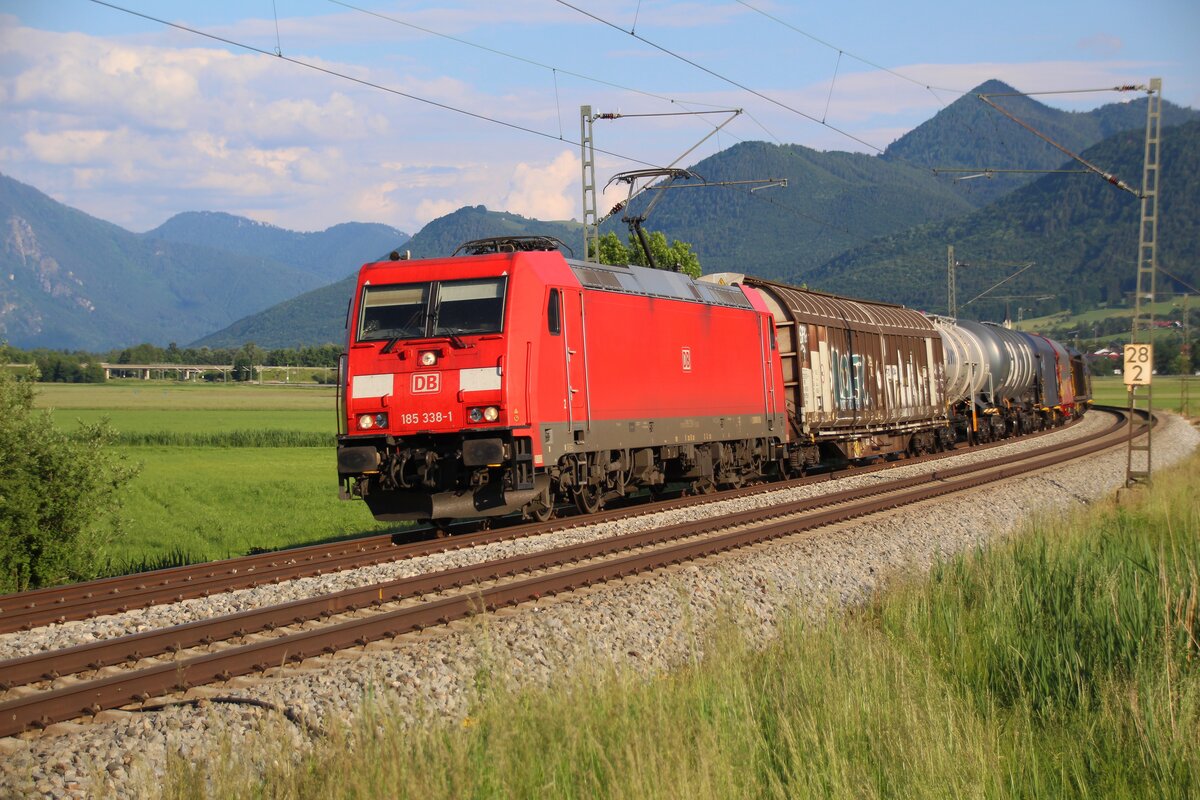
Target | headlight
(368,421)
(428,358)
(490,413)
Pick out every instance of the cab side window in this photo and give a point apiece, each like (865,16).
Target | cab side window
(554,314)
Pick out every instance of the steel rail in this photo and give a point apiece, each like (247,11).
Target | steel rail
(26,610)
(88,697)
(53,664)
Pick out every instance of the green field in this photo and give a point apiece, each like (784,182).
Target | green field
(1166,392)
(195,503)
(204,503)
(1065,319)
(172,396)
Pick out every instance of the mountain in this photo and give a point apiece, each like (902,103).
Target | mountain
(836,201)
(833,201)
(850,222)
(77,282)
(319,316)
(322,254)
(441,236)
(969,134)
(1080,231)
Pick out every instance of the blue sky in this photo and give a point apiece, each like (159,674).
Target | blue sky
(133,121)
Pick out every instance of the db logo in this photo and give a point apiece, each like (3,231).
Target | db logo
(426,383)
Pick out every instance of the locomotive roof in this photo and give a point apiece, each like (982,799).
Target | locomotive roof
(656,283)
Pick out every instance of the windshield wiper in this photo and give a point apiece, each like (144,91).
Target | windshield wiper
(392,342)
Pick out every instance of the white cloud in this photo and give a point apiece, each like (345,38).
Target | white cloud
(67,147)
(432,209)
(550,192)
(136,128)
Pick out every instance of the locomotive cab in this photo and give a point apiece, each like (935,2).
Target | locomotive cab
(433,427)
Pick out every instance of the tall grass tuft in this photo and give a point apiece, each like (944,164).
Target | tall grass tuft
(1063,664)
(175,557)
(237,438)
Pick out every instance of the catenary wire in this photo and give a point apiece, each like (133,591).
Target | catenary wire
(363,82)
(840,50)
(720,77)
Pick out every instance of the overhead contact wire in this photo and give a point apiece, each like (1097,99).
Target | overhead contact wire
(868,62)
(720,77)
(505,54)
(363,82)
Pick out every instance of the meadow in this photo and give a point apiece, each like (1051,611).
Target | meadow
(226,469)
(1167,392)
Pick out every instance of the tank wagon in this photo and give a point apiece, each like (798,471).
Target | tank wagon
(1001,382)
(511,379)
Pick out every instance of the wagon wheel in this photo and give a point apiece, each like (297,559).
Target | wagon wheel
(587,498)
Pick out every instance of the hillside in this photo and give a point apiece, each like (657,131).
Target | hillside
(1081,232)
(847,222)
(833,201)
(837,201)
(970,134)
(77,282)
(318,317)
(322,254)
(441,236)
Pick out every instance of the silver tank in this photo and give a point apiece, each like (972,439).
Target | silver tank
(1007,363)
(965,371)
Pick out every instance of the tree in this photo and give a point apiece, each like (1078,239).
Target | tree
(59,493)
(677,254)
(245,360)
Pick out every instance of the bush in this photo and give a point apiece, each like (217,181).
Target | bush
(59,494)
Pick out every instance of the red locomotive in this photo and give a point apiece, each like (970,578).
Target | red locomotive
(512,380)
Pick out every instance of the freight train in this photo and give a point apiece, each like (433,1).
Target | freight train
(513,380)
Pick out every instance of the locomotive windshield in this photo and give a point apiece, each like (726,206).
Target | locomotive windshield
(426,310)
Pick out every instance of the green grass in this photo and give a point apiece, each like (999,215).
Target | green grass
(204,503)
(200,421)
(1063,319)
(1166,394)
(1065,664)
(172,396)
(226,469)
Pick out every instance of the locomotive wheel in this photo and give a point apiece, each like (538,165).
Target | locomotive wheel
(587,499)
(540,509)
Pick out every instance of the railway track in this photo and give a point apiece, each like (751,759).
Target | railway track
(66,684)
(57,604)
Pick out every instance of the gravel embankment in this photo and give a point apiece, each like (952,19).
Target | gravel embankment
(649,623)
